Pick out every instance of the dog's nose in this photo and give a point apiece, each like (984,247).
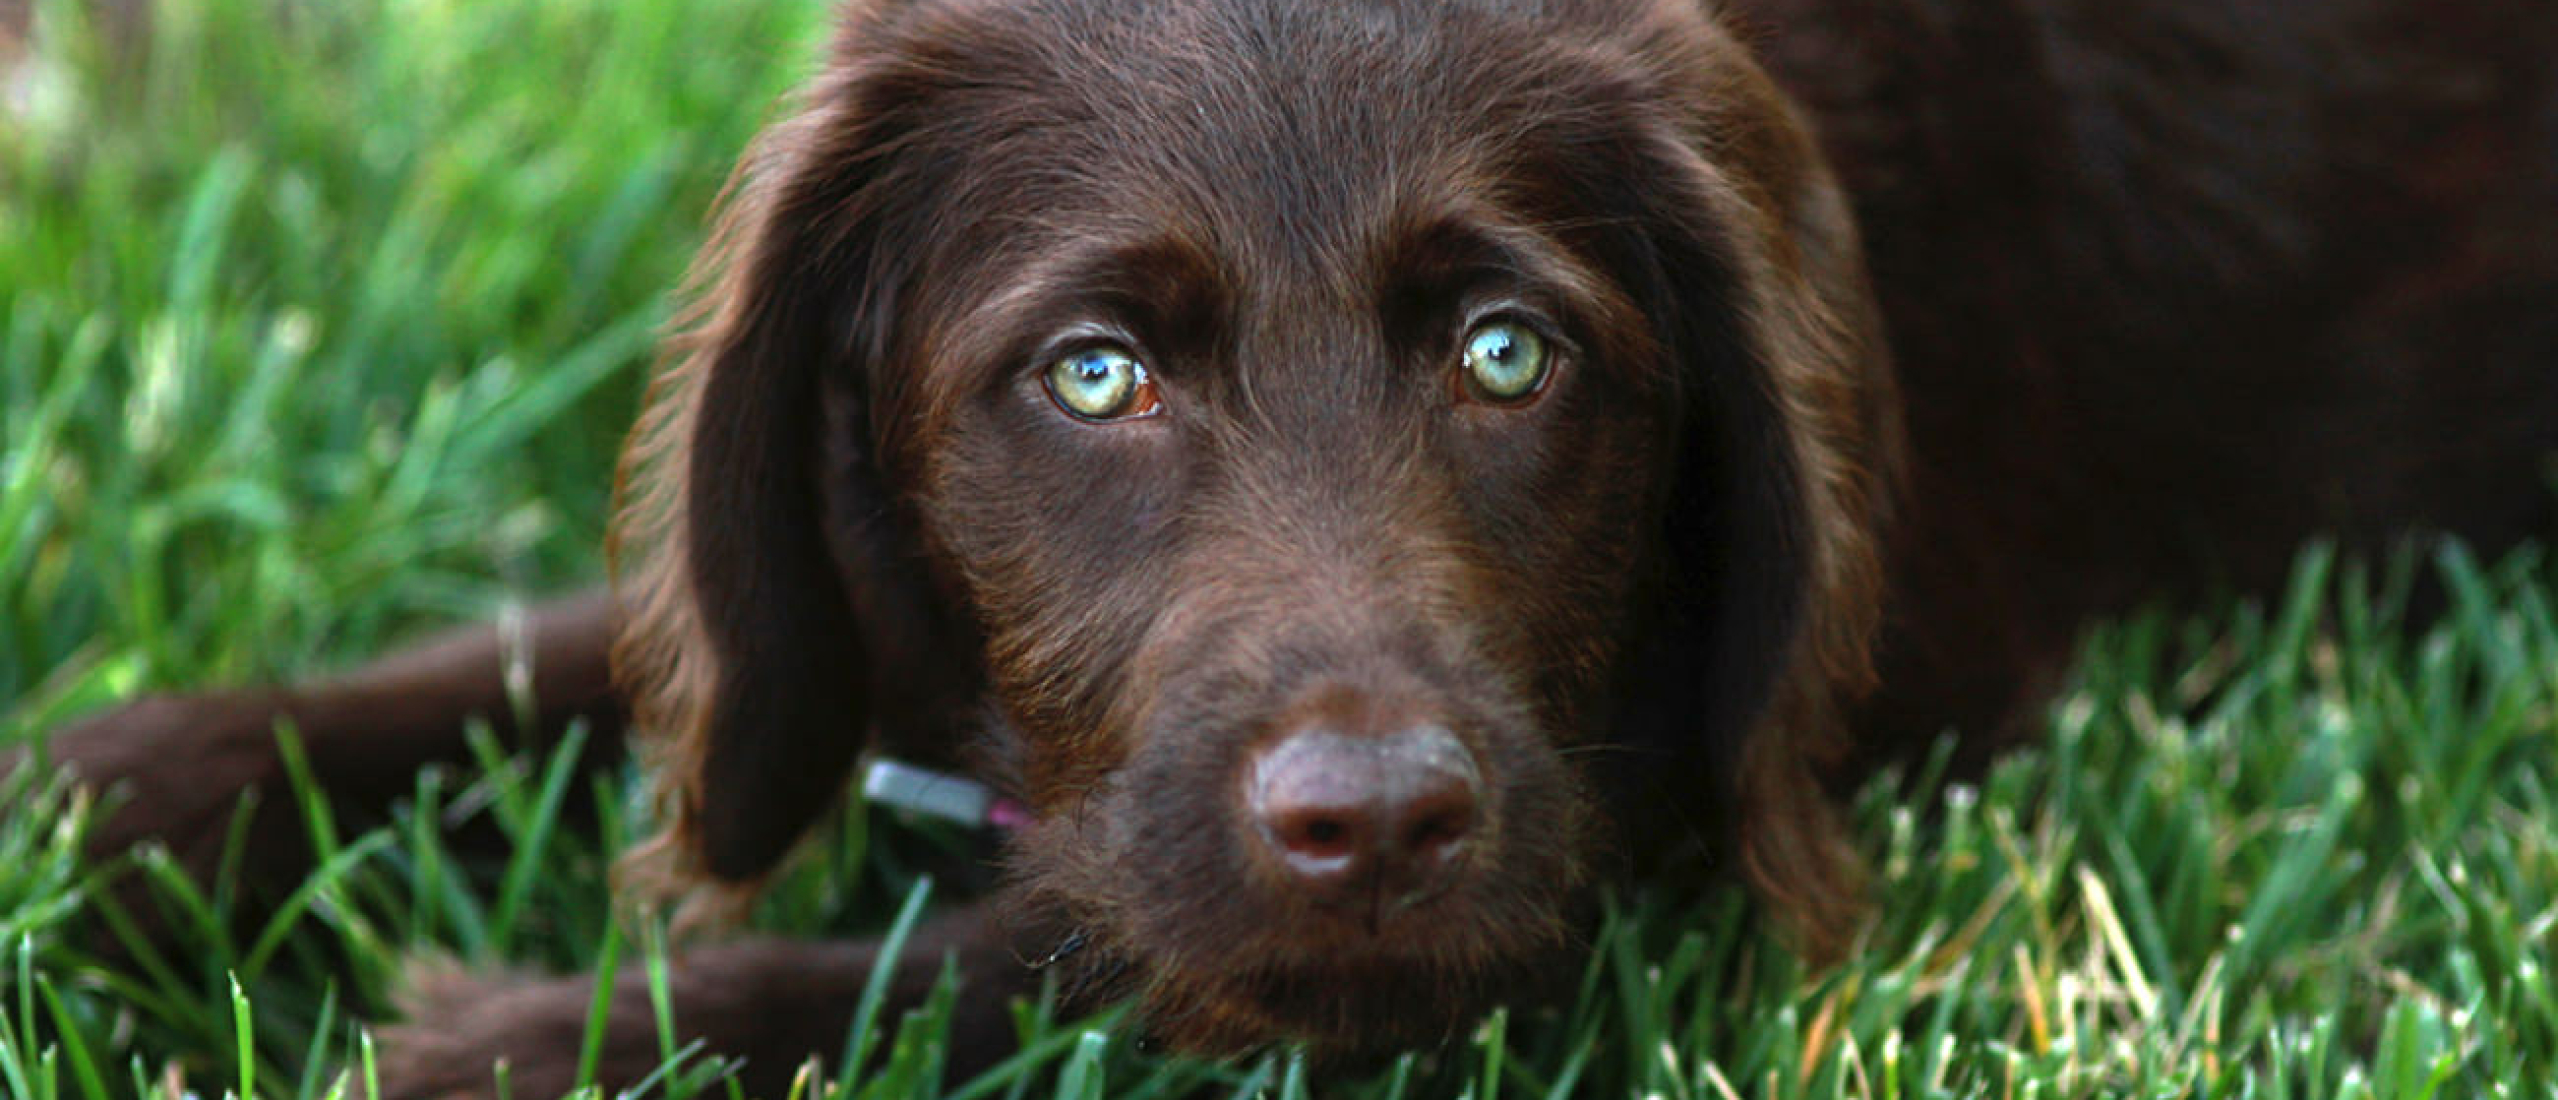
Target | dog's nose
(1348,814)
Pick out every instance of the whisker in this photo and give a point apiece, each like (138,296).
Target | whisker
(1073,943)
(1603,748)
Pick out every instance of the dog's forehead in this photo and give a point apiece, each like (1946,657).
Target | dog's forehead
(1271,175)
(1280,128)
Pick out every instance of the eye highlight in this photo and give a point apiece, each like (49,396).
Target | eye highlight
(1103,382)
(1506,362)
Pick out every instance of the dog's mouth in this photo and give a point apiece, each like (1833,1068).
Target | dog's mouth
(1342,1011)
(1346,1000)
(1225,948)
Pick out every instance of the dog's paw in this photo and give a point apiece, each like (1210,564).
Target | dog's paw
(169,769)
(464,1031)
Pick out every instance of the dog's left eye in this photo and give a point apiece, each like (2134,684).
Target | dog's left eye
(1102,383)
(1506,362)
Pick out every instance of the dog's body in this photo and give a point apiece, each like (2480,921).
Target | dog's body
(1124,400)
(2220,276)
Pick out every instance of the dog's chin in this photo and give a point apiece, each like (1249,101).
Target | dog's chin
(1348,991)
(1347,1012)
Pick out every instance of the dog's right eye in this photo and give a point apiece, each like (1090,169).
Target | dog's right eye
(1102,383)
(1506,363)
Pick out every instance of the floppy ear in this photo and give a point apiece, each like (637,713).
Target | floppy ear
(753,542)
(1789,456)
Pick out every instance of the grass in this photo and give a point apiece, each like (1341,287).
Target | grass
(321,328)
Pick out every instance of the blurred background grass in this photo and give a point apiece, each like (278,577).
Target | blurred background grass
(321,323)
(324,318)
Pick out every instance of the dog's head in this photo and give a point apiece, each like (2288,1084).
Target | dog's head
(1351,451)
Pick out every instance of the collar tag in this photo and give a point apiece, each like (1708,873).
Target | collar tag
(911,789)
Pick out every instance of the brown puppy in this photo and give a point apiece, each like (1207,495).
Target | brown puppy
(1176,401)
(1363,472)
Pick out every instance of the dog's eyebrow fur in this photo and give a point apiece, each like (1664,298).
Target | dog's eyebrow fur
(1175,293)
(1163,289)
(1430,262)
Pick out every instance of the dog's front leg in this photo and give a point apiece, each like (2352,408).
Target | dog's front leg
(173,768)
(767,1005)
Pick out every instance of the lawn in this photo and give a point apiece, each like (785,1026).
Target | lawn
(318,326)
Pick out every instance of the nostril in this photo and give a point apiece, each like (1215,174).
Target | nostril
(1392,810)
(1436,812)
(1437,832)
(1315,840)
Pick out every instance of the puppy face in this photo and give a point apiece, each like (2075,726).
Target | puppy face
(1322,524)
(1330,428)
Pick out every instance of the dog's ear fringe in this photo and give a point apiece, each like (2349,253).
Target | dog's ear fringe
(664,659)
(1833,387)
(1810,309)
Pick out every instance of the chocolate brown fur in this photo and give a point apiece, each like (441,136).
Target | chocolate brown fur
(1698,494)
(1899,338)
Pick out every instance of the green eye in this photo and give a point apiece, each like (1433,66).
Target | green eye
(1506,362)
(1101,383)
